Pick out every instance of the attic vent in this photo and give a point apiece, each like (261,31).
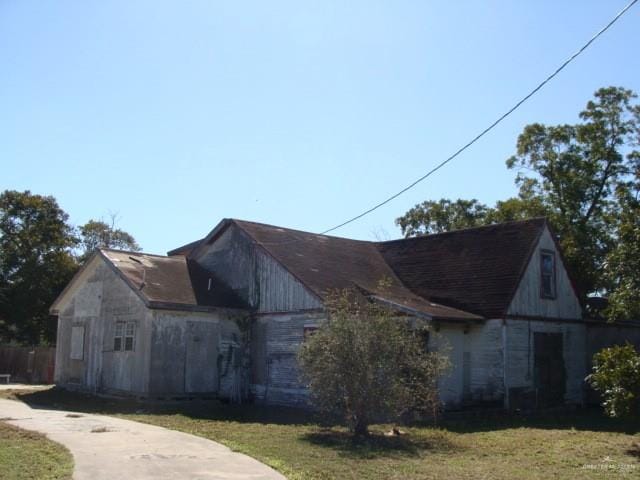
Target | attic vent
(135,260)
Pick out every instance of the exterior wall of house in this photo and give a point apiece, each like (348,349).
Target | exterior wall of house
(528,301)
(197,353)
(275,340)
(475,353)
(175,353)
(520,359)
(254,275)
(85,332)
(530,313)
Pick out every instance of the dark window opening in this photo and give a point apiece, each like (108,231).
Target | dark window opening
(547,274)
(308,331)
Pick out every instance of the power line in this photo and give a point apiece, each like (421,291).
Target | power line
(490,127)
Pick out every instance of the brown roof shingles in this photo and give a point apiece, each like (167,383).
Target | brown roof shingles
(170,281)
(460,275)
(324,263)
(475,269)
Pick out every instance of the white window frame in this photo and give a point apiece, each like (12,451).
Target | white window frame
(552,276)
(124,336)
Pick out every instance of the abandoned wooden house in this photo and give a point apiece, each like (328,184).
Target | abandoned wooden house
(225,315)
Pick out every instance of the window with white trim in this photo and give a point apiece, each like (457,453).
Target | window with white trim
(547,274)
(124,337)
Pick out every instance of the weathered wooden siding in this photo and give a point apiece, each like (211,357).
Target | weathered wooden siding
(519,373)
(276,339)
(254,275)
(190,353)
(175,353)
(101,299)
(528,301)
(479,379)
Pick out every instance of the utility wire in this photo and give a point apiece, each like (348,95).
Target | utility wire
(490,127)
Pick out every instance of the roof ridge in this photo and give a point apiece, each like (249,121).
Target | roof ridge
(466,229)
(131,252)
(237,220)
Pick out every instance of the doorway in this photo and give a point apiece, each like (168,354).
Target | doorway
(201,371)
(549,370)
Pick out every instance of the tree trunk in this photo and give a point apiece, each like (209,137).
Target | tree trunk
(360,426)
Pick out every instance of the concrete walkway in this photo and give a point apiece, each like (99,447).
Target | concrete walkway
(110,448)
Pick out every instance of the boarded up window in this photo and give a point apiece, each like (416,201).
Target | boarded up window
(77,342)
(547,274)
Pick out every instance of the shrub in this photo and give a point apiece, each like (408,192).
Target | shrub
(367,363)
(616,375)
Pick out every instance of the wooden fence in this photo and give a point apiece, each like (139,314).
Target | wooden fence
(28,364)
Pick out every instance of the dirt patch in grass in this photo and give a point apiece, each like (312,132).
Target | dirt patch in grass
(580,445)
(26,455)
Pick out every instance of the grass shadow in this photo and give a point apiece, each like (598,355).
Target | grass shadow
(377,445)
(587,419)
(198,409)
(583,419)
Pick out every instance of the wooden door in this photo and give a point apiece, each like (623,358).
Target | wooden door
(549,370)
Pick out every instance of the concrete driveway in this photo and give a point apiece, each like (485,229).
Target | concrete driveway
(110,448)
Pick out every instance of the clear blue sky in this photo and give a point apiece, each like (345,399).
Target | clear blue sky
(301,114)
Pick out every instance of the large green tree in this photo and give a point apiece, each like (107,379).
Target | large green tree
(35,264)
(577,176)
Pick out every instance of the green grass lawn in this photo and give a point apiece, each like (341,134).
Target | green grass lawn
(580,445)
(26,455)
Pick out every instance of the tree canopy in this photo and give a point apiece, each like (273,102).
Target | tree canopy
(584,179)
(99,234)
(35,264)
(38,257)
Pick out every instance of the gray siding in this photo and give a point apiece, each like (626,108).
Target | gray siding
(190,353)
(175,353)
(520,355)
(96,304)
(276,339)
(527,300)
(254,275)
(480,380)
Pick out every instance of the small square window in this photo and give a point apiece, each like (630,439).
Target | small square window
(124,337)
(547,274)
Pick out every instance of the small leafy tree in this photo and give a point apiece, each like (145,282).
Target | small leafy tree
(100,234)
(616,375)
(367,364)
